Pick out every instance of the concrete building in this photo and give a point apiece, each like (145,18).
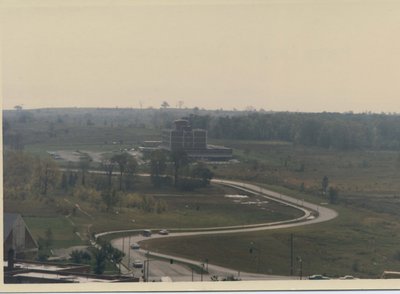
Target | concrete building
(193,142)
(16,236)
(27,272)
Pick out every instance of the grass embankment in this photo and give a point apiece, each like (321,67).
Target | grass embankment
(63,232)
(203,208)
(206,207)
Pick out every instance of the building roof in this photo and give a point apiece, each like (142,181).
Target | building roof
(9,219)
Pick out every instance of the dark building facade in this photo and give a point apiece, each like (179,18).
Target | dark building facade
(193,142)
(184,137)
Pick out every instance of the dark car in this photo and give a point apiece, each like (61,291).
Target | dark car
(318,277)
(146,233)
(137,264)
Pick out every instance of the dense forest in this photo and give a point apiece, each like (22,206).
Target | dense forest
(342,131)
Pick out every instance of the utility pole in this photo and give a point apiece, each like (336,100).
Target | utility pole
(129,252)
(251,250)
(148,266)
(291,254)
(301,266)
(201,273)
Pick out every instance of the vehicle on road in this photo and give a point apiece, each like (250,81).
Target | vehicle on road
(137,264)
(318,277)
(135,246)
(163,232)
(347,278)
(146,233)
(390,275)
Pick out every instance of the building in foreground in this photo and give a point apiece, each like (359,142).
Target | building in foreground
(193,142)
(32,272)
(17,237)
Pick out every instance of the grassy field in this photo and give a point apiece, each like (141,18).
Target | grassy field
(63,231)
(359,242)
(362,241)
(355,173)
(206,207)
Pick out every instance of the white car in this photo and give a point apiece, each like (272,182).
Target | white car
(135,246)
(347,278)
(163,232)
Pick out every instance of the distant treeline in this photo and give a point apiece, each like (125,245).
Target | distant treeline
(327,130)
(344,131)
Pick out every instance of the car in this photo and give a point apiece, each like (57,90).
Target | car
(318,277)
(135,246)
(137,264)
(163,232)
(347,278)
(146,233)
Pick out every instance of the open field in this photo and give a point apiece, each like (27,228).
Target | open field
(362,241)
(207,207)
(359,242)
(352,172)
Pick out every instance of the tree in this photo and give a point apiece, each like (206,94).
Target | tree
(179,158)
(333,195)
(110,199)
(49,238)
(18,177)
(121,161)
(157,166)
(131,169)
(47,175)
(84,164)
(203,172)
(325,184)
(79,256)
(126,165)
(148,203)
(108,166)
(64,181)
(100,258)
(164,105)
(161,206)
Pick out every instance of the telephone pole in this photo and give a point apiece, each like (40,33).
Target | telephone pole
(291,255)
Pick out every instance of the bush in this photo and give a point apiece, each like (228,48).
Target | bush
(190,184)
(80,256)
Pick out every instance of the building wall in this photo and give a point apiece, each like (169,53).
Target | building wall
(18,232)
(19,239)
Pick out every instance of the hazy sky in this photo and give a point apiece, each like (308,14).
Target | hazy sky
(322,55)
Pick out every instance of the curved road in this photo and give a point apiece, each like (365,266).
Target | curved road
(312,214)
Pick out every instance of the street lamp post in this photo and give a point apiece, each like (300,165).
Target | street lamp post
(129,252)
(206,261)
(146,268)
(253,248)
(301,266)
(201,273)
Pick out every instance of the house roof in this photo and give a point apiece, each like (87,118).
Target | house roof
(9,220)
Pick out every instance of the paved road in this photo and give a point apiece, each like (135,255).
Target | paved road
(312,214)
